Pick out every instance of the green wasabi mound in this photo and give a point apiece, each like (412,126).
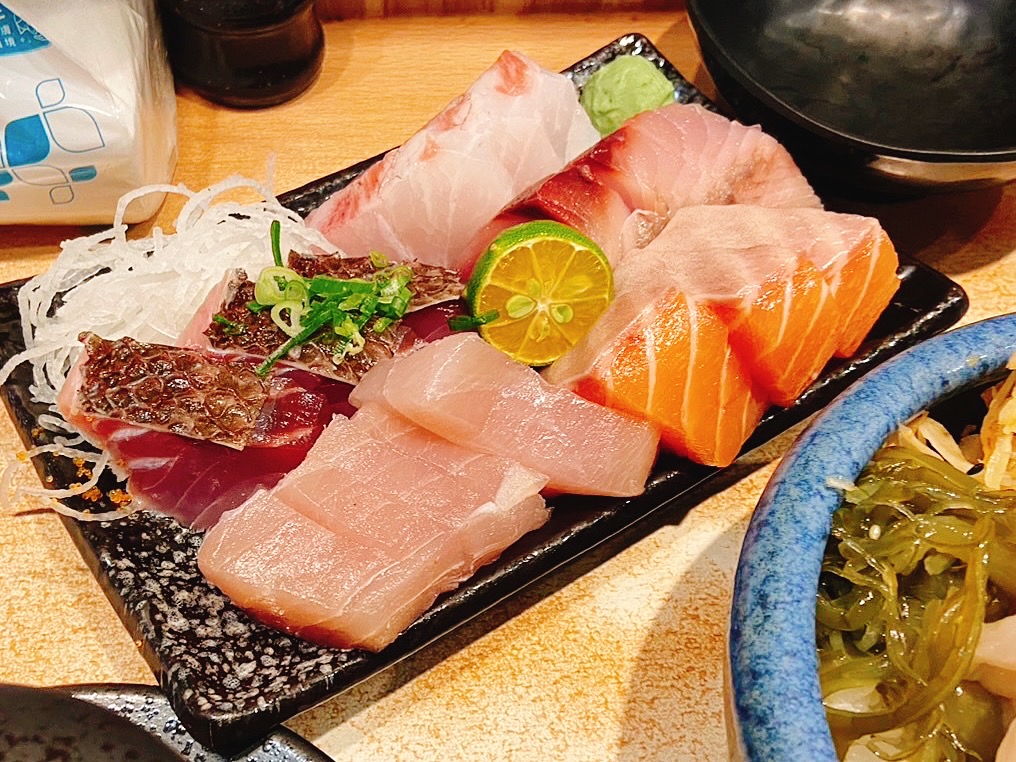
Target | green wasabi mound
(623,88)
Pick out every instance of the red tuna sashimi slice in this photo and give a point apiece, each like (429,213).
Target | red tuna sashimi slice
(373,556)
(668,360)
(515,125)
(623,191)
(195,481)
(782,320)
(463,389)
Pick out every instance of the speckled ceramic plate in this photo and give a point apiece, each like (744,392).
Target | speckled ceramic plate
(778,712)
(231,680)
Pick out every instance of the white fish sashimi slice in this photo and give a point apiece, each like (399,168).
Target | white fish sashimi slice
(515,125)
(466,391)
(393,517)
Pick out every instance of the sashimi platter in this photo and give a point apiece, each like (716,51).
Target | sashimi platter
(311,434)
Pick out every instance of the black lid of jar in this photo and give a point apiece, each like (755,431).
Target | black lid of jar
(234,14)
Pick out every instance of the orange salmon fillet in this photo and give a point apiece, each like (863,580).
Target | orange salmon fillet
(670,363)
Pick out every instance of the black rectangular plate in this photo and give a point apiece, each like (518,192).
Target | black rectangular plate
(231,680)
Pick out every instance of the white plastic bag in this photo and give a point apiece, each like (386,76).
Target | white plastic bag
(87,110)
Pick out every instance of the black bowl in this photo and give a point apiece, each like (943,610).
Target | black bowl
(896,95)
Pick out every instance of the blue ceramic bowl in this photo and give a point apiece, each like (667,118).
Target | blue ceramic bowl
(777,711)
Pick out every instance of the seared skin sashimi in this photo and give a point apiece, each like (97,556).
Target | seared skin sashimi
(192,479)
(463,389)
(625,189)
(377,545)
(515,125)
(435,290)
(668,360)
(182,391)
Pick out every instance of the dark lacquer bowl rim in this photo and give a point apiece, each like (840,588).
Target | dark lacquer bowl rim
(773,665)
(714,48)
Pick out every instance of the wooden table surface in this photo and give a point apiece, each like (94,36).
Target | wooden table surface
(617,657)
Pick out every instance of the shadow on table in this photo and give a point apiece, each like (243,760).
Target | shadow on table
(952,232)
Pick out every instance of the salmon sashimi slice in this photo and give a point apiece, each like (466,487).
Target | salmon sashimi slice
(375,553)
(517,124)
(624,190)
(861,267)
(852,252)
(782,320)
(465,390)
(661,356)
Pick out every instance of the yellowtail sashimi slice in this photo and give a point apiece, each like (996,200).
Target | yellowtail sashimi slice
(386,517)
(463,389)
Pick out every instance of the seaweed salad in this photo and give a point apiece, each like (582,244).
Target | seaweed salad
(916,609)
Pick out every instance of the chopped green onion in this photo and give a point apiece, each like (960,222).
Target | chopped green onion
(229,327)
(273,283)
(292,326)
(276,235)
(304,308)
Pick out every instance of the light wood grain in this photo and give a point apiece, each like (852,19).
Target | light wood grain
(351,9)
(618,657)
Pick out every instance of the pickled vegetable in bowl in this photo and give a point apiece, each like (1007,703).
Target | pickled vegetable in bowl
(875,593)
(918,590)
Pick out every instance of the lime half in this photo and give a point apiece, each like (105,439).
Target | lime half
(548,284)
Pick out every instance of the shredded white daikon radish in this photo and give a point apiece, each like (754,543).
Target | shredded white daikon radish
(147,288)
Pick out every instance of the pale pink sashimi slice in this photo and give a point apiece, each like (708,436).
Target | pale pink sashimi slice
(782,320)
(624,190)
(425,200)
(340,485)
(660,356)
(381,550)
(685,155)
(465,390)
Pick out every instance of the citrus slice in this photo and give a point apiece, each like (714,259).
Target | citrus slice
(547,283)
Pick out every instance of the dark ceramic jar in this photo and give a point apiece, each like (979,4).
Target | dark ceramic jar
(243,53)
